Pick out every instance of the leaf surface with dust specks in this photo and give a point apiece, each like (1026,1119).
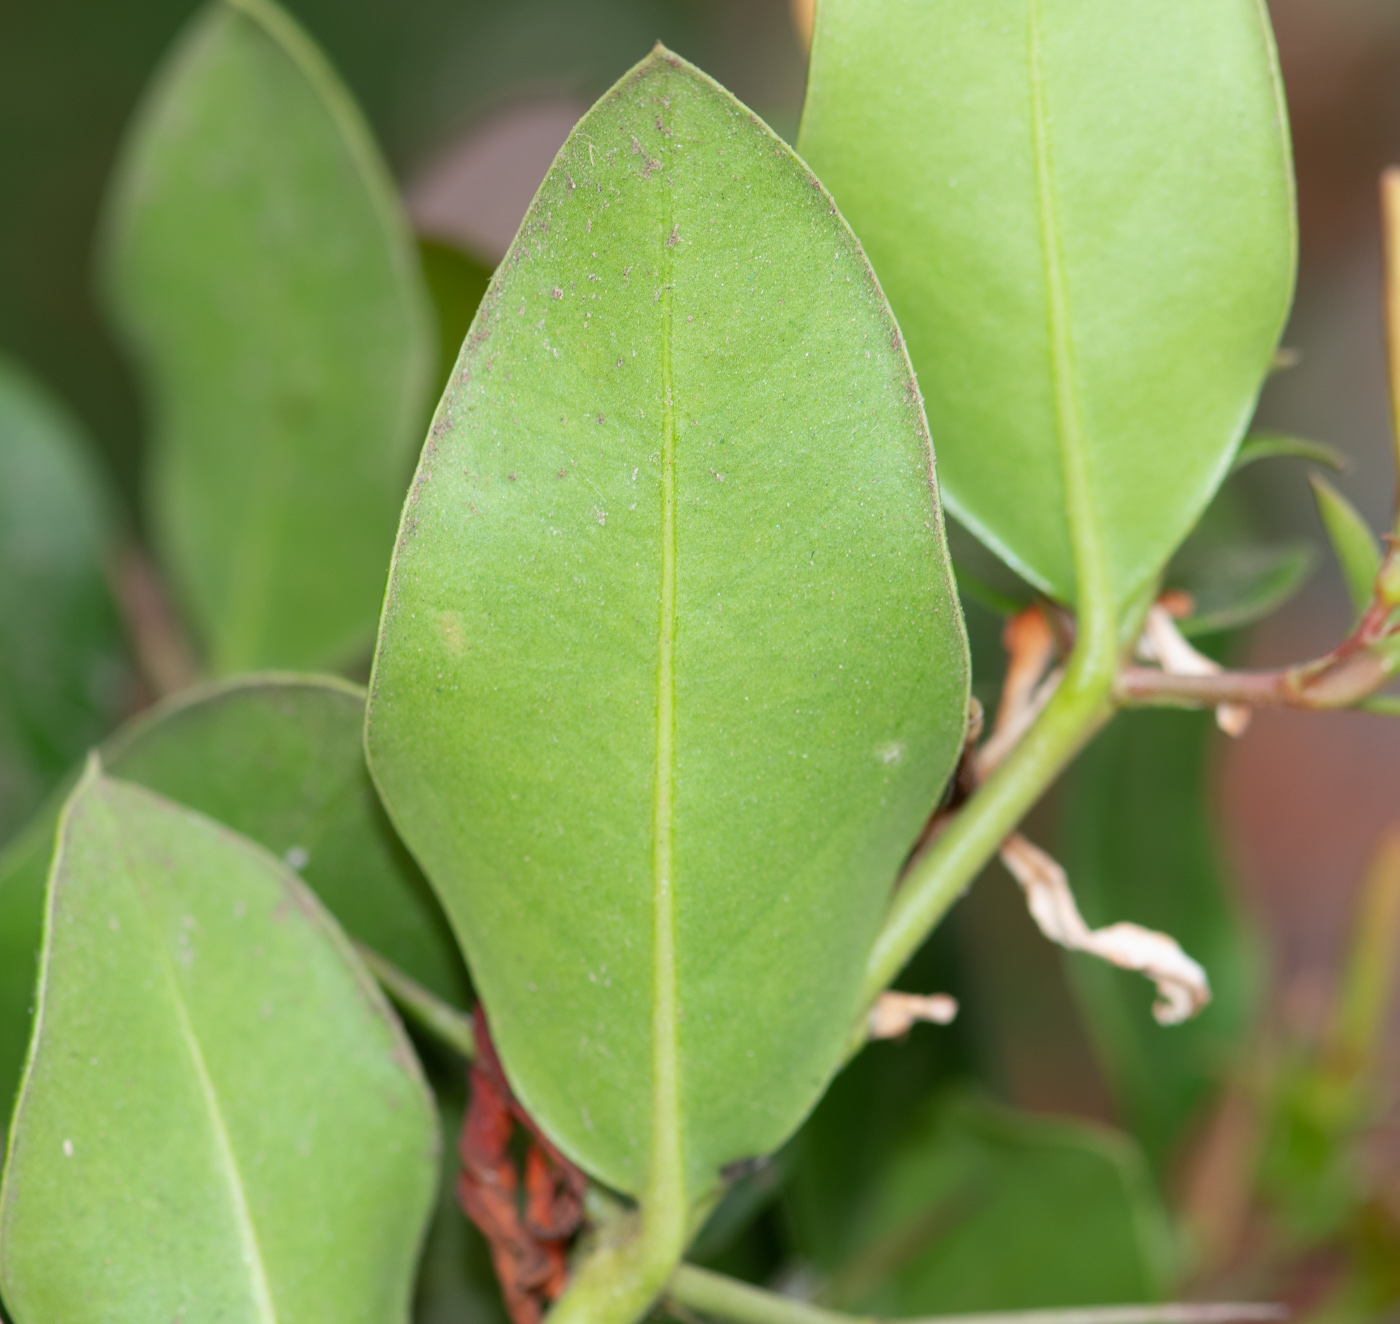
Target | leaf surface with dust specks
(671,670)
(220,1117)
(258,264)
(1082,211)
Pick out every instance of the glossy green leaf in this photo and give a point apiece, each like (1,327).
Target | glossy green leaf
(1275,445)
(220,1118)
(1139,844)
(280,760)
(259,266)
(63,667)
(982,1208)
(671,671)
(1356,547)
(456,282)
(1091,270)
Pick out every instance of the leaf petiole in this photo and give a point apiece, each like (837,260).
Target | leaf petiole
(426,1010)
(936,878)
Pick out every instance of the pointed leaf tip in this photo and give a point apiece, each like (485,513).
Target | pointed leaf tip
(1356,547)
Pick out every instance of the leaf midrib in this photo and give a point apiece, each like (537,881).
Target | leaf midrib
(1093,591)
(664,1176)
(251,1257)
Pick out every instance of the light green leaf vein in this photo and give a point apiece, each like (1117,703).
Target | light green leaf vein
(1093,588)
(666,1164)
(251,1252)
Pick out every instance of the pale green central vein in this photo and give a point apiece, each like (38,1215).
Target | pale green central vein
(223,1148)
(664,1178)
(250,1252)
(1094,593)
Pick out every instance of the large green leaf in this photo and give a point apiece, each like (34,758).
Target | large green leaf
(63,669)
(260,268)
(1082,213)
(220,1118)
(982,1208)
(671,670)
(279,759)
(1139,845)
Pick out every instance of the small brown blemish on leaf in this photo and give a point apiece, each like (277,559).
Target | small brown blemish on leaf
(675,237)
(450,624)
(601,419)
(510,478)
(556,293)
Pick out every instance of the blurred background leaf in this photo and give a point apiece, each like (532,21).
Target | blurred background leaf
(258,265)
(64,671)
(1356,547)
(970,1211)
(456,282)
(423,71)
(1140,844)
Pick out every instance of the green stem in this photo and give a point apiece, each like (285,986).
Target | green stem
(426,1010)
(944,871)
(714,1294)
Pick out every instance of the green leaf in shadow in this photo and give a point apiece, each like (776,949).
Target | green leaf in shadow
(983,1208)
(64,674)
(1092,276)
(220,1117)
(671,670)
(456,281)
(1139,845)
(1238,585)
(258,264)
(1233,576)
(280,760)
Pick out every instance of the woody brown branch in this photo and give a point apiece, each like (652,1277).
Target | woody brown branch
(1351,672)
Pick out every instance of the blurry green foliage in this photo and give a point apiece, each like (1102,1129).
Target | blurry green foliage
(64,672)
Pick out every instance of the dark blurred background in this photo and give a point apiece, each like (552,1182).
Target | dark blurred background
(470,99)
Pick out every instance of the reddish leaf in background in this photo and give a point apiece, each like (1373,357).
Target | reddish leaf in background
(529,1247)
